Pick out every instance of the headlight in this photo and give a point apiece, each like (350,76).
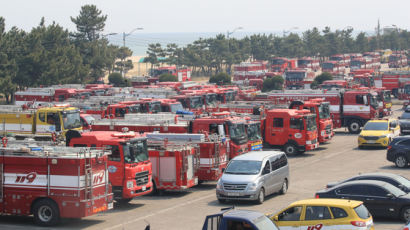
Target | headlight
(252,186)
(130,184)
(219,184)
(308,142)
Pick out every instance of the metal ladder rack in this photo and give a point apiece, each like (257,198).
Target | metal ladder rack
(88,174)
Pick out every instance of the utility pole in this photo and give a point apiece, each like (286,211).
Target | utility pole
(227,37)
(124,35)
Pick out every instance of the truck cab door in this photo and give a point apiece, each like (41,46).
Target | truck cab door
(277,135)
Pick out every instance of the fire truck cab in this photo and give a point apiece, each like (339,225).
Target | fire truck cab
(291,129)
(130,170)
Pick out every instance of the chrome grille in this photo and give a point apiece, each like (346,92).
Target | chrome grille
(142,178)
(234,186)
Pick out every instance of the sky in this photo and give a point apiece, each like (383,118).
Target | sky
(164,16)
(198,17)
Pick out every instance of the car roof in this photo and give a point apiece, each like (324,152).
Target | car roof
(327,201)
(402,137)
(244,214)
(379,174)
(367,182)
(258,155)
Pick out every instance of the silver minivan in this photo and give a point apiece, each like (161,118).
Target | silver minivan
(254,175)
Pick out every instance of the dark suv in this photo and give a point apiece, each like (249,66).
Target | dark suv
(398,151)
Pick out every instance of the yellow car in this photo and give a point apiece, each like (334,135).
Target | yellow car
(324,214)
(378,133)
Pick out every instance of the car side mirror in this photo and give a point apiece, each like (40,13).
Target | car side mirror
(223,170)
(391,196)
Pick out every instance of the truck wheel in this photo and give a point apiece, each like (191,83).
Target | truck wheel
(290,149)
(401,161)
(261,197)
(46,212)
(284,188)
(354,126)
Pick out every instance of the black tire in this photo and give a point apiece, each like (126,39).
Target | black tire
(46,213)
(222,201)
(124,201)
(405,213)
(261,196)
(361,147)
(401,161)
(290,149)
(354,126)
(284,188)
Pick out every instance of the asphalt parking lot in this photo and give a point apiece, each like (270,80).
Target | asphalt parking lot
(310,172)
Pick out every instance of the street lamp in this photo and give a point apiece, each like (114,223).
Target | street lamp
(124,35)
(228,33)
(106,35)
(289,30)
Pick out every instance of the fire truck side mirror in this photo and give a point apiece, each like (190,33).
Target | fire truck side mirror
(365,100)
(221,131)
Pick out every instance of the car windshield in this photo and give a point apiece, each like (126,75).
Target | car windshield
(254,131)
(394,190)
(311,123)
(71,119)
(196,102)
(264,223)
(376,126)
(405,115)
(324,111)
(135,152)
(243,167)
(175,107)
(327,65)
(155,107)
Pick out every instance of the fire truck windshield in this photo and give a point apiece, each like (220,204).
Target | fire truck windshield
(335,58)
(175,107)
(356,64)
(155,107)
(134,109)
(254,131)
(295,76)
(196,102)
(324,111)
(237,133)
(311,123)
(303,62)
(327,65)
(135,152)
(210,99)
(71,119)
(278,62)
(243,167)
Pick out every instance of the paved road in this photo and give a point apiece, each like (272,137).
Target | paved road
(186,210)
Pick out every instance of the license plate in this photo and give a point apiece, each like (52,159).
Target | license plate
(233,194)
(110,205)
(144,188)
(371,142)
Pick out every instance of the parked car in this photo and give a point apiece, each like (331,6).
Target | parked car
(378,133)
(326,213)
(230,218)
(393,179)
(398,151)
(404,122)
(381,198)
(254,175)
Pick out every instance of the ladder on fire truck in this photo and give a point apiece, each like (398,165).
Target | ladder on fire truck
(88,174)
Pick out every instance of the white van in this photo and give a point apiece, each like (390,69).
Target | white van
(254,175)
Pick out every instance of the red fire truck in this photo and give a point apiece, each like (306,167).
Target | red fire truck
(365,63)
(249,70)
(334,67)
(53,182)
(291,129)
(395,81)
(321,109)
(183,74)
(397,61)
(220,123)
(334,84)
(128,165)
(39,95)
(309,63)
(350,109)
(280,64)
(298,78)
(340,58)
